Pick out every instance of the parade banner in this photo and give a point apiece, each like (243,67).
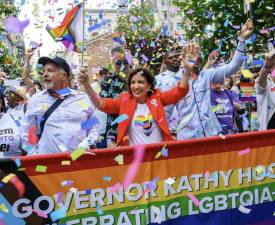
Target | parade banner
(217,180)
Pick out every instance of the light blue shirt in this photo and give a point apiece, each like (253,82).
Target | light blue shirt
(62,131)
(165,81)
(195,112)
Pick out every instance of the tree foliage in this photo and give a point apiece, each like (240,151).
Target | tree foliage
(137,32)
(9,51)
(215,23)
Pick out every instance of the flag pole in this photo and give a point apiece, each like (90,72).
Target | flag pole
(83,36)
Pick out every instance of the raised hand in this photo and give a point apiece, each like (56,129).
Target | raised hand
(83,77)
(191,57)
(212,58)
(30,52)
(247,29)
(269,61)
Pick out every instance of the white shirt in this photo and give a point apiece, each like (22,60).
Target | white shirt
(265,101)
(9,137)
(62,131)
(166,81)
(102,116)
(143,129)
(17,112)
(195,111)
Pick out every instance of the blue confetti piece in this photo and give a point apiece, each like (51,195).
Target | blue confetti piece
(192,61)
(244,57)
(119,119)
(214,176)
(257,62)
(206,115)
(177,78)
(1,185)
(165,30)
(245,66)
(100,14)
(226,23)
(18,162)
(251,39)
(164,152)
(152,44)
(65,91)
(117,40)
(58,214)
(86,125)
(99,210)
(94,27)
(88,192)
(17,122)
(27,148)
(107,178)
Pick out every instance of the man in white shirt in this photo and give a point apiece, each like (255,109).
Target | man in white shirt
(167,80)
(197,119)
(265,93)
(69,124)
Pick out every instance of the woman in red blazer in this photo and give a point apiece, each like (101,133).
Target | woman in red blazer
(142,105)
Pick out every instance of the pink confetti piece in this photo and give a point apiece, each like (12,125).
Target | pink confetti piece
(193,198)
(243,152)
(19,185)
(264,31)
(132,170)
(41,214)
(207,174)
(273,73)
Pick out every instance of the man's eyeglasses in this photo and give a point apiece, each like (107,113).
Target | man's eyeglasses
(120,62)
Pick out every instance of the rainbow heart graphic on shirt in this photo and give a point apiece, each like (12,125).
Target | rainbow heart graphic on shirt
(144,122)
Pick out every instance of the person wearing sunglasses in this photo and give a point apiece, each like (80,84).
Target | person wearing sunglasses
(112,86)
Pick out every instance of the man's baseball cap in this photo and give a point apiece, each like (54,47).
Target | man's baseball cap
(56,60)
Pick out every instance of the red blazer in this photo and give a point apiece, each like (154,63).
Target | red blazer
(126,104)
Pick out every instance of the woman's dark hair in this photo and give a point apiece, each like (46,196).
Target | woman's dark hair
(3,103)
(145,73)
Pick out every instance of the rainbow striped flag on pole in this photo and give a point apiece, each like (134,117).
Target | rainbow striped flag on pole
(70,32)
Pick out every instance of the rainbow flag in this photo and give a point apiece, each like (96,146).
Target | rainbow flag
(203,181)
(248,92)
(70,32)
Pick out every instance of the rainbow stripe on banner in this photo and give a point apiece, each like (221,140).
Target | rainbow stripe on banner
(213,181)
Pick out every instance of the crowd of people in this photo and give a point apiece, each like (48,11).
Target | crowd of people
(132,106)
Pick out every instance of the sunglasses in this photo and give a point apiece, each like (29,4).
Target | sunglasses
(120,62)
